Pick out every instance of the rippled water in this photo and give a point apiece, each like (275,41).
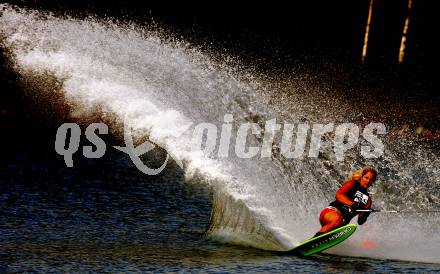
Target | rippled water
(105,216)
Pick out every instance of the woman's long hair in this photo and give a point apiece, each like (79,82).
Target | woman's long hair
(357,175)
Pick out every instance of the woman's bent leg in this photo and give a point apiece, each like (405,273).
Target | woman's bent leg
(330,220)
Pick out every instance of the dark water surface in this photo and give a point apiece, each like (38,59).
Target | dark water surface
(104,216)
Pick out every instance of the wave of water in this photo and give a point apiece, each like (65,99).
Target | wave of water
(160,85)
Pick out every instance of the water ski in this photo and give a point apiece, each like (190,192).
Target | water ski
(324,241)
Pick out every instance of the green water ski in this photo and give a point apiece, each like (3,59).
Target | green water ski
(324,241)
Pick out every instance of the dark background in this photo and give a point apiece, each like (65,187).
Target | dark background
(278,38)
(323,29)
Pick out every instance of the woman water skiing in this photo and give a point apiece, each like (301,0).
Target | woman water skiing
(351,196)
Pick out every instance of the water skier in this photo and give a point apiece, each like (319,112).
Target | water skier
(352,195)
